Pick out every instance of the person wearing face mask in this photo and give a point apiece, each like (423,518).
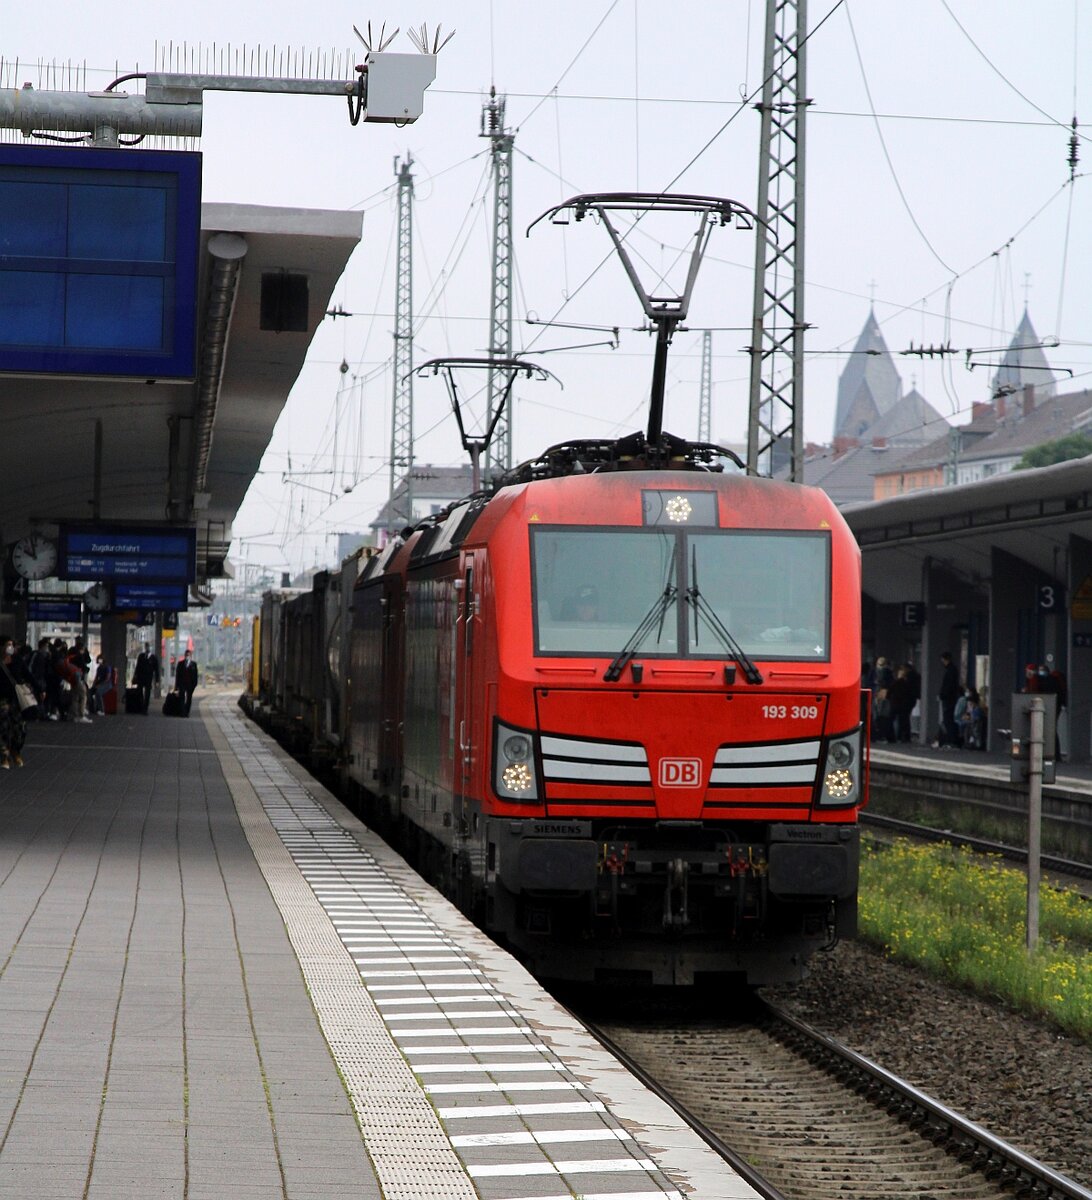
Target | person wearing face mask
(185,681)
(13,728)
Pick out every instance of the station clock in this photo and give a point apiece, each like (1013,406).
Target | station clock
(34,556)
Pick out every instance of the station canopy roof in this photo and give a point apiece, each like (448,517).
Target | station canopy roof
(1029,514)
(172,450)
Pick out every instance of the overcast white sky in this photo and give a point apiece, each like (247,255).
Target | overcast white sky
(944,210)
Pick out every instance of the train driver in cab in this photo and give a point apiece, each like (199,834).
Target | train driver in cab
(582,605)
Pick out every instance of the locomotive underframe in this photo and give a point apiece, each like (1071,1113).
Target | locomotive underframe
(663,902)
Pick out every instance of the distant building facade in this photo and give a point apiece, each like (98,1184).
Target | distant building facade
(434,488)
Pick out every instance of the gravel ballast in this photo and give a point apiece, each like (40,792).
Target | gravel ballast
(1022,1080)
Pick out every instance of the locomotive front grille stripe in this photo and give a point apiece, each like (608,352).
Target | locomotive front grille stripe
(559,747)
(597,802)
(775,810)
(575,762)
(756,774)
(783,753)
(588,772)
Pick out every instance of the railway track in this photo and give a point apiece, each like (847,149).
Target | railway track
(804,1118)
(1059,866)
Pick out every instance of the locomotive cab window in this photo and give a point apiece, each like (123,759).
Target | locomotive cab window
(593,589)
(771,591)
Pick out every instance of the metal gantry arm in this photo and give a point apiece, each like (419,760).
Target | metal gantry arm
(386,88)
(665,313)
(508,369)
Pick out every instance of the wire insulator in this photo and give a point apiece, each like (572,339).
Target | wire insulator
(1074,152)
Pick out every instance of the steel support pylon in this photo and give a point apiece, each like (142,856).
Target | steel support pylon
(499,451)
(775,433)
(401,513)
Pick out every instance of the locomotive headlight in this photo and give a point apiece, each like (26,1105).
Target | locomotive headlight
(841,754)
(514,774)
(517,777)
(838,784)
(517,748)
(841,777)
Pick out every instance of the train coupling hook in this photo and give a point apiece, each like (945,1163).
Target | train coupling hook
(676,915)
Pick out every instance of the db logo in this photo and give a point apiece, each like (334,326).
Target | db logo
(680,772)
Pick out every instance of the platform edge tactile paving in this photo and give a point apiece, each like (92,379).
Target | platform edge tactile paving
(414,1159)
(352,878)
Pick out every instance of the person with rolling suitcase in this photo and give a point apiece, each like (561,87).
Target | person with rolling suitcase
(145,673)
(185,681)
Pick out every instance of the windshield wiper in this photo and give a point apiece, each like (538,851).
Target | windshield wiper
(702,608)
(654,616)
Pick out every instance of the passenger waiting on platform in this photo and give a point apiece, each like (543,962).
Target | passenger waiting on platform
(30,689)
(145,674)
(971,720)
(185,681)
(13,728)
(81,656)
(883,720)
(99,685)
(902,698)
(69,668)
(1048,683)
(46,682)
(948,733)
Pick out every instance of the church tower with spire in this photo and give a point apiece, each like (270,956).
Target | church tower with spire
(1024,363)
(869,387)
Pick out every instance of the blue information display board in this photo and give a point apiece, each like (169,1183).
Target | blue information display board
(55,612)
(137,554)
(98,261)
(151,597)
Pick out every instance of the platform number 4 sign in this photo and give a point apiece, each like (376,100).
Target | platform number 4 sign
(1051,597)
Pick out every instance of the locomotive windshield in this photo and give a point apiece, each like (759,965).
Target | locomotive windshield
(593,588)
(771,590)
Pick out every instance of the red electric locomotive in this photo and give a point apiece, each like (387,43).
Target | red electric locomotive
(615,714)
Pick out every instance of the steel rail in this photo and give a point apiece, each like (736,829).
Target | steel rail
(988,1154)
(1062,866)
(742,1168)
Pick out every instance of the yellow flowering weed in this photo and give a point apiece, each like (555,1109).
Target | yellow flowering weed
(963,916)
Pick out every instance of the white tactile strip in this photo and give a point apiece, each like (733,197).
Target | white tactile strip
(522,1117)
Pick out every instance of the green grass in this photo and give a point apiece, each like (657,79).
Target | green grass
(962,916)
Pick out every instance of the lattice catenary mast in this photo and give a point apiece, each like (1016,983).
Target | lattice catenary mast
(705,396)
(499,452)
(775,433)
(402,405)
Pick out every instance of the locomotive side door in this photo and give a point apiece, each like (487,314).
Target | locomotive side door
(463,687)
(390,737)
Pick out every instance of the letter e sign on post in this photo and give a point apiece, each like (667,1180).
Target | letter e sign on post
(912,614)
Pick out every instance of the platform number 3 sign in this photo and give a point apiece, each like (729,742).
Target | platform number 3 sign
(1051,597)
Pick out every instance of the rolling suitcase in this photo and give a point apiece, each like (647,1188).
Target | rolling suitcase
(172,704)
(132,700)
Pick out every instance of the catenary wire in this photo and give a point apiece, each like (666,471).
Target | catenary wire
(883,146)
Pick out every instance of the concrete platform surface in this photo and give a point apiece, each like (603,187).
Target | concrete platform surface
(214,982)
